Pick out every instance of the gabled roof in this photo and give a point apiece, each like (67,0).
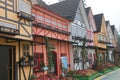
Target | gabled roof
(98,21)
(113,28)
(42,4)
(107,22)
(66,8)
(87,10)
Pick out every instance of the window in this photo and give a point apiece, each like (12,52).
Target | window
(47,20)
(99,37)
(25,6)
(9,25)
(40,17)
(33,14)
(105,38)
(102,37)
(54,23)
(64,26)
(59,24)
(38,59)
(26,49)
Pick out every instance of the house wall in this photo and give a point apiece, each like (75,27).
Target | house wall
(9,18)
(18,53)
(102,32)
(58,40)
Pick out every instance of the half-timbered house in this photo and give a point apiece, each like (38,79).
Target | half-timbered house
(100,37)
(15,39)
(90,35)
(56,29)
(110,46)
(74,10)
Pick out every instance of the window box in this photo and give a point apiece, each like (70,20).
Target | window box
(25,16)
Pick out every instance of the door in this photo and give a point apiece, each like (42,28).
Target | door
(7,60)
(54,57)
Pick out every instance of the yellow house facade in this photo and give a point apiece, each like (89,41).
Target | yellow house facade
(15,39)
(101,36)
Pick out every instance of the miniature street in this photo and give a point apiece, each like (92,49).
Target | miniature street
(115,75)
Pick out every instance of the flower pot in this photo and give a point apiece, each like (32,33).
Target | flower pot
(22,63)
(31,63)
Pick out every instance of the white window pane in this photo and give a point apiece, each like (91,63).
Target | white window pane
(47,20)
(40,18)
(24,6)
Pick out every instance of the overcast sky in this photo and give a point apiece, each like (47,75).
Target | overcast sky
(110,8)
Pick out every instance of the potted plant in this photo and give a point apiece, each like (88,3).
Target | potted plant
(22,61)
(33,77)
(31,60)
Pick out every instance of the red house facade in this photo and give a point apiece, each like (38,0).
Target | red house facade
(56,28)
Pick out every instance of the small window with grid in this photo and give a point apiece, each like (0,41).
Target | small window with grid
(26,49)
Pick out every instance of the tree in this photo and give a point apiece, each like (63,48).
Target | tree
(49,54)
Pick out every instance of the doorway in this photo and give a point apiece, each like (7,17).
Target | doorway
(7,63)
(54,57)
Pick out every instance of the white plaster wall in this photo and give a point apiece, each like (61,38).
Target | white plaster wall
(110,55)
(92,51)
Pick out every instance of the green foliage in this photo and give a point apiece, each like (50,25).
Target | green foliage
(23,59)
(84,53)
(30,58)
(49,54)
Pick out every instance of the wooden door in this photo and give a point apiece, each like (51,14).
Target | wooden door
(7,59)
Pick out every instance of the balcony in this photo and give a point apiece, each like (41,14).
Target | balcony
(9,31)
(23,15)
(104,42)
(41,25)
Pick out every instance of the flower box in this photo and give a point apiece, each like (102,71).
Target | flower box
(92,77)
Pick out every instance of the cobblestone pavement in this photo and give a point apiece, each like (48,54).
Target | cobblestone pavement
(115,75)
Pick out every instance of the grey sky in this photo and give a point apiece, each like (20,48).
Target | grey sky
(110,8)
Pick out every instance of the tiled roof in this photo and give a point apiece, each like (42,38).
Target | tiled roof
(98,21)
(113,28)
(65,8)
(42,4)
(107,22)
(87,10)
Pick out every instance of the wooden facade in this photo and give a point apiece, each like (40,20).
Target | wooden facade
(15,35)
(56,28)
(101,36)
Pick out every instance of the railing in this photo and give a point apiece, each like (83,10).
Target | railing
(9,31)
(104,42)
(37,24)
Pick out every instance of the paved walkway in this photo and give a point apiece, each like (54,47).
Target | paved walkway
(115,75)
